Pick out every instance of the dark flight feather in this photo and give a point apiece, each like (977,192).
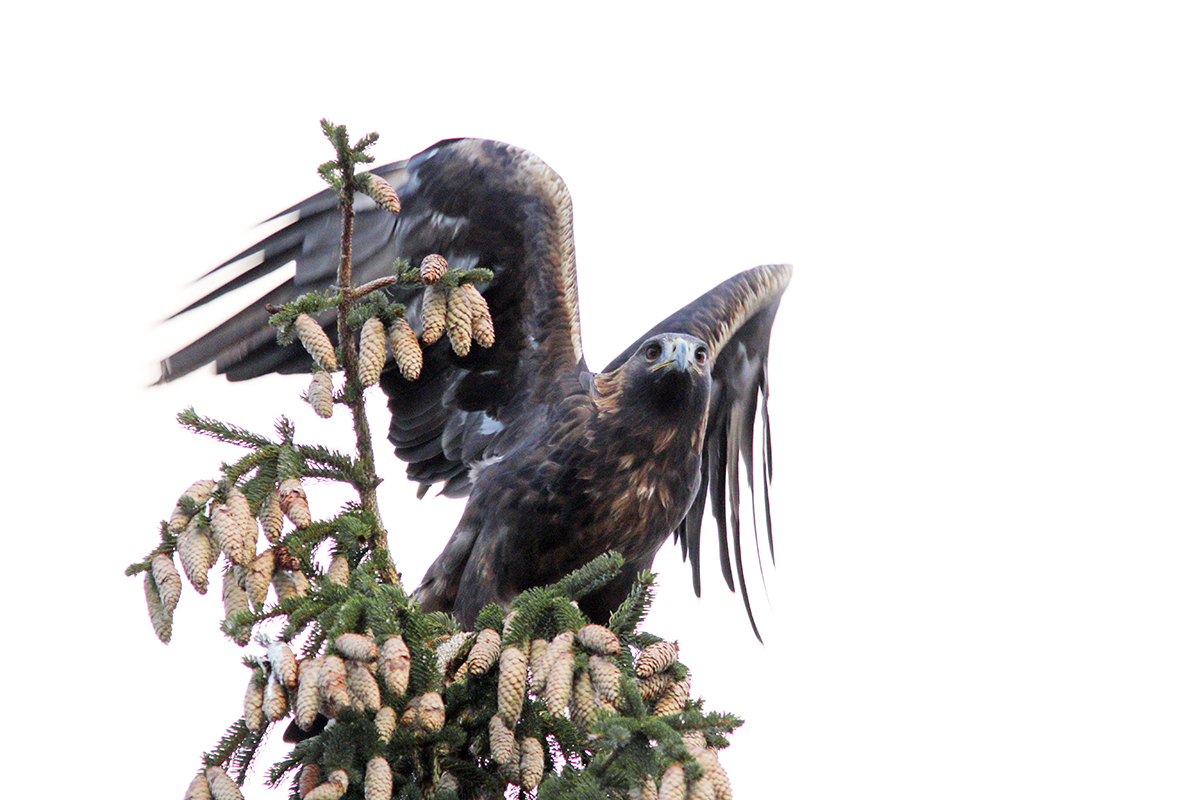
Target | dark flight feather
(561,464)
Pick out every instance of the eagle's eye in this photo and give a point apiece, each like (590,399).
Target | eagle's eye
(701,355)
(653,351)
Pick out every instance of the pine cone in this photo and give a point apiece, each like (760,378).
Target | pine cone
(377,783)
(458,321)
(270,516)
(234,598)
(537,664)
(274,704)
(221,785)
(433,314)
(558,684)
(307,691)
(385,723)
(599,639)
(714,772)
(239,507)
(320,394)
(364,691)
(284,581)
(433,269)
(356,646)
(283,664)
(379,190)
(606,677)
(394,665)
(230,535)
(331,789)
(656,658)
(198,494)
(197,553)
(406,349)
(533,763)
(447,653)
(562,643)
(258,577)
(294,502)
(484,652)
(649,789)
(160,618)
(674,698)
(651,688)
(483,330)
(313,337)
(252,704)
(339,571)
(198,788)
(331,684)
(673,785)
(695,742)
(584,709)
(166,580)
(502,740)
(510,691)
(372,352)
(308,779)
(426,712)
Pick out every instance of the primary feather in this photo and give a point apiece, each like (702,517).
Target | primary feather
(560,464)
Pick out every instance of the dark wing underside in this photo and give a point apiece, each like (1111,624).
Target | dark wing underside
(479,204)
(735,319)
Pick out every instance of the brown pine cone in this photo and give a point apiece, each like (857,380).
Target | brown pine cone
(372,352)
(274,704)
(673,785)
(533,763)
(313,337)
(426,712)
(656,658)
(198,788)
(433,314)
(270,516)
(483,330)
(537,658)
(197,553)
(406,349)
(252,703)
(606,677)
(377,783)
(385,723)
(320,394)
(283,664)
(294,502)
(364,690)
(382,192)
(722,789)
(258,577)
(308,779)
(307,691)
(394,665)
(198,494)
(674,698)
(356,646)
(233,596)
(653,687)
(458,321)
(166,580)
(562,643)
(484,652)
(584,710)
(221,785)
(559,681)
(598,639)
(160,618)
(339,571)
(510,691)
(229,533)
(433,269)
(331,684)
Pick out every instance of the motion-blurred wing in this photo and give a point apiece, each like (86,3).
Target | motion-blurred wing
(479,204)
(735,319)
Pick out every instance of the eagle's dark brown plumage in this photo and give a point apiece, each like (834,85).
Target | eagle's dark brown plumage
(560,464)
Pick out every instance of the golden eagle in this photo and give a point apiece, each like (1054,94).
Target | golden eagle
(560,463)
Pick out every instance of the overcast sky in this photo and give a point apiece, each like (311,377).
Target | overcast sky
(983,377)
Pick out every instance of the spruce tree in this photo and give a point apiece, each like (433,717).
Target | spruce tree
(538,700)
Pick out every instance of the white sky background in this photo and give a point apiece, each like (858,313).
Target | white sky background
(984,386)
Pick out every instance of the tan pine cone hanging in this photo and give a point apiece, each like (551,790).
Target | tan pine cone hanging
(606,677)
(284,581)
(722,789)
(332,789)
(356,646)
(372,352)
(510,689)
(308,779)
(252,703)
(673,785)
(307,692)
(484,652)
(270,516)
(331,684)
(197,553)
(426,712)
(160,618)
(377,782)
(433,269)
(382,192)
(433,314)
(274,704)
(533,763)
(229,533)
(649,789)
(320,394)
(233,596)
(283,664)
(221,785)
(198,788)
(448,653)
(385,723)
(501,740)
(537,658)
(483,330)
(599,639)
(294,502)
(406,349)
(258,577)
(656,658)
(313,337)
(651,688)
(584,710)
(562,643)
(166,580)
(198,494)
(674,698)
(339,571)
(559,681)
(458,321)
(394,665)
(364,690)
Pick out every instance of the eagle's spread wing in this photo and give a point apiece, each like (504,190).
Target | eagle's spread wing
(735,320)
(479,204)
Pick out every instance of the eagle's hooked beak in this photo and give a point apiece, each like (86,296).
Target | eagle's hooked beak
(679,356)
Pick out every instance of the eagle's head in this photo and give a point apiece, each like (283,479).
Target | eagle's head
(669,373)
